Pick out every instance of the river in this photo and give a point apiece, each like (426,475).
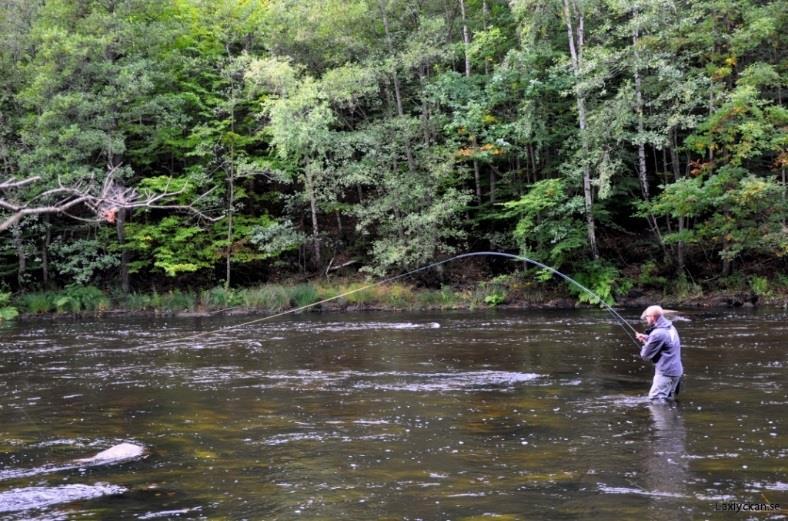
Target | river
(485,415)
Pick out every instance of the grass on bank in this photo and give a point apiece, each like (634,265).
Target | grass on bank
(269,298)
(274,298)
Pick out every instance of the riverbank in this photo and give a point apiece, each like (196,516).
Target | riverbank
(349,295)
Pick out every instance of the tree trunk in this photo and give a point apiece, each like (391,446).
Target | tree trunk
(230,201)
(466,39)
(120,228)
(477,174)
(642,172)
(485,17)
(674,162)
(395,79)
(20,254)
(310,188)
(425,110)
(576,51)
(45,252)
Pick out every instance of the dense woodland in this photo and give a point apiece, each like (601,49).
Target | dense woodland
(148,144)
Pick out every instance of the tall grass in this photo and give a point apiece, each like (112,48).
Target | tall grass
(177,300)
(444,298)
(137,302)
(303,295)
(38,302)
(219,297)
(271,297)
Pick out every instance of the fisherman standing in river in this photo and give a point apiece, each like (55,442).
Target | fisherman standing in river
(661,345)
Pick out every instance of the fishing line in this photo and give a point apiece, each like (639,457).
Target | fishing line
(628,327)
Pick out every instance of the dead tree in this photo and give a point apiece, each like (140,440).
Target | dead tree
(104,201)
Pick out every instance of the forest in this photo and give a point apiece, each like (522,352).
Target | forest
(190,145)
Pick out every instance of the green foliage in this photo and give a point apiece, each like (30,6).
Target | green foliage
(760,286)
(745,127)
(444,298)
(354,127)
(7,312)
(396,296)
(601,278)
(138,302)
(171,246)
(175,300)
(276,238)
(303,294)
(734,211)
(495,298)
(684,287)
(220,298)
(648,276)
(75,299)
(549,225)
(38,302)
(271,297)
(82,260)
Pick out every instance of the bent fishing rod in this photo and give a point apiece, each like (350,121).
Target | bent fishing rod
(627,326)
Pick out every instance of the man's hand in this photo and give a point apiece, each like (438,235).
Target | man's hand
(641,337)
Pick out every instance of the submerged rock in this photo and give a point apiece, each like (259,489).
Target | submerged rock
(121,452)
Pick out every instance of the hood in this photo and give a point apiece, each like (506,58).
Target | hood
(662,323)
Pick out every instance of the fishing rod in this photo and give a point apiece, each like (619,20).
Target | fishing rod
(628,327)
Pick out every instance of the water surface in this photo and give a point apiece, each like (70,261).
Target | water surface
(507,415)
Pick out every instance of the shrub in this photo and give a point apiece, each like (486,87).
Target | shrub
(495,298)
(7,312)
(74,299)
(648,276)
(684,288)
(601,278)
(759,286)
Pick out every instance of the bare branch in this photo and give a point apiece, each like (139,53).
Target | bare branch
(104,202)
(15,217)
(13,183)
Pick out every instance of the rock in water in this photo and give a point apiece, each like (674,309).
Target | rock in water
(121,452)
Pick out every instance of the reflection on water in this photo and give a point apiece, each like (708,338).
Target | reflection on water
(665,465)
(466,416)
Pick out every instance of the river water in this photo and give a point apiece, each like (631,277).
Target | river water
(506,415)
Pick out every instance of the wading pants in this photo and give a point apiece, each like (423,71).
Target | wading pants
(664,387)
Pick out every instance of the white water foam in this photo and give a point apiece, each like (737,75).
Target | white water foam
(19,499)
(395,381)
(637,491)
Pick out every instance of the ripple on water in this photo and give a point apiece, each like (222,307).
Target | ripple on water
(361,326)
(615,401)
(28,498)
(394,381)
(636,491)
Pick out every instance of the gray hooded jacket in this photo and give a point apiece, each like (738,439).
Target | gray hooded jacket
(663,348)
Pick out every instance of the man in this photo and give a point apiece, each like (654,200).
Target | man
(663,348)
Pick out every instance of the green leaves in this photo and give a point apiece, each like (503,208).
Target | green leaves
(7,312)
(171,246)
(734,211)
(549,225)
